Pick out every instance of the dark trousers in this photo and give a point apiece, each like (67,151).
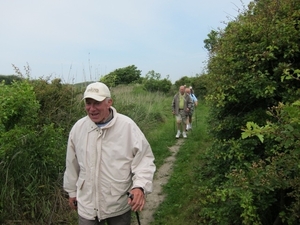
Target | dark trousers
(123,219)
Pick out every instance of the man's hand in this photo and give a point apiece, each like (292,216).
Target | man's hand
(136,199)
(73,203)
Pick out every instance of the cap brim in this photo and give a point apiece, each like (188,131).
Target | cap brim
(95,97)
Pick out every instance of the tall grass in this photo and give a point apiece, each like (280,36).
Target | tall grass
(152,113)
(145,108)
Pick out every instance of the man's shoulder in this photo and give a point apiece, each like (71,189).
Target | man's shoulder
(127,123)
(189,97)
(81,121)
(81,124)
(124,119)
(176,95)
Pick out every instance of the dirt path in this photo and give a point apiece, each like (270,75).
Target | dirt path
(161,178)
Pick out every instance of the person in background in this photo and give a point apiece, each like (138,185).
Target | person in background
(195,100)
(181,106)
(108,159)
(194,104)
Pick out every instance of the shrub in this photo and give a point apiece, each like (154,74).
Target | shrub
(247,68)
(31,156)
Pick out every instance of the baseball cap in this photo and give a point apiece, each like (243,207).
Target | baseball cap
(97,91)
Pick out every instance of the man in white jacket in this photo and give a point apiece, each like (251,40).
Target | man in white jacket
(107,157)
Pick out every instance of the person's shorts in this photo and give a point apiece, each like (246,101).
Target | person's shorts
(190,114)
(181,116)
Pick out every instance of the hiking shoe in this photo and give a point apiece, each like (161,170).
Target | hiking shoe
(178,134)
(184,135)
(188,127)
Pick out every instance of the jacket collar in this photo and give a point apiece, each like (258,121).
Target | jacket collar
(93,126)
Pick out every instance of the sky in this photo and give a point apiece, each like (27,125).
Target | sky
(79,41)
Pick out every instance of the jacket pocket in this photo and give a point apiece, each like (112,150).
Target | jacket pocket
(118,188)
(80,183)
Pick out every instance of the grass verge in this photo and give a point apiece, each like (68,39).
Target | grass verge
(181,203)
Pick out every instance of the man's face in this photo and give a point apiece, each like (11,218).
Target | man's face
(188,91)
(97,111)
(181,90)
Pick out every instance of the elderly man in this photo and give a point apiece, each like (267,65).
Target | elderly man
(181,106)
(108,156)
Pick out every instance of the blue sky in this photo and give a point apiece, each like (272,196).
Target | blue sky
(83,40)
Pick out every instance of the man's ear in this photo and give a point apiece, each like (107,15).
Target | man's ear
(110,102)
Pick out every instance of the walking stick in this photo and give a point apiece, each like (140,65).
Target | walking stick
(136,212)
(137,217)
(196,116)
(174,123)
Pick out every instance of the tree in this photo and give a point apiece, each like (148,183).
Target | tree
(124,75)
(211,42)
(9,79)
(200,84)
(185,80)
(153,82)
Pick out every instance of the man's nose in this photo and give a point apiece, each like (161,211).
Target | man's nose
(92,106)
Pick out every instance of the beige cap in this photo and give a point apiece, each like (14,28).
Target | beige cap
(97,91)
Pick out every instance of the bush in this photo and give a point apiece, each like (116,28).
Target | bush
(31,156)
(248,66)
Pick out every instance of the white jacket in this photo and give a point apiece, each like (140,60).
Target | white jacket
(102,164)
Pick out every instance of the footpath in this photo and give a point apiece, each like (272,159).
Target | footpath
(161,178)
